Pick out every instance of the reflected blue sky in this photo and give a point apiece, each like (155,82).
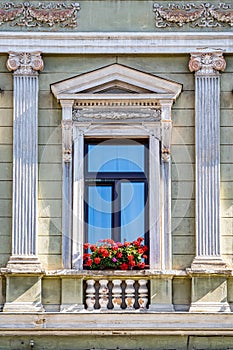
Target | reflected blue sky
(115,158)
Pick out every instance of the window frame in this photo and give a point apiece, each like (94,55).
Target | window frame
(115,179)
(151,132)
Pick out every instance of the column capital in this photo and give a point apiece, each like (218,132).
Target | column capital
(25,63)
(207,62)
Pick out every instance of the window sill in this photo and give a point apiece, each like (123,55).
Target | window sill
(116,273)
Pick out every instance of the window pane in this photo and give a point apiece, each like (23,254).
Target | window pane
(132,210)
(99,213)
(116,158)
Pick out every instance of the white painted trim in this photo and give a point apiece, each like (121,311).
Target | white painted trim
(114,43)
(111,75)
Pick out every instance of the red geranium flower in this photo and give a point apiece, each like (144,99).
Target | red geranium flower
(124,266)
(89,262)
(119,254)
(130,257)
(132,263)
(93,248)
(86,245)
(105,253)
(97,261)
(86,255)
(141,265)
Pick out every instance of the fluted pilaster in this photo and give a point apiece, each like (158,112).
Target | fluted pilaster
(207,109)
(25,149)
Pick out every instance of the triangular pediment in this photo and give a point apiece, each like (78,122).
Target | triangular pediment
(116,79)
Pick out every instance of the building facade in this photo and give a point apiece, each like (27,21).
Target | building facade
(116,123)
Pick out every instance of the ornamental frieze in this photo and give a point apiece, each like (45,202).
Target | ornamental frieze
(202,15)
(115,115)
(41,14)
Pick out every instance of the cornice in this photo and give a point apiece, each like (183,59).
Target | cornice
(114,42)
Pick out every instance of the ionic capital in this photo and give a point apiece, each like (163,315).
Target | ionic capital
(207,63)
(25,63)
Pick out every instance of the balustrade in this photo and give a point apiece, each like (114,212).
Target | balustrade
(116,294)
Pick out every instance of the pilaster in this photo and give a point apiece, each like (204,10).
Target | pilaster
(67,137)
(24,226)
(208,270)
(166,130)
(207,65)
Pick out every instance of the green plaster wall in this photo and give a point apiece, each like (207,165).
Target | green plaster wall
(6,137)
(176,342)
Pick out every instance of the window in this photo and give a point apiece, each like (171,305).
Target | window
(116,104)
(116,189)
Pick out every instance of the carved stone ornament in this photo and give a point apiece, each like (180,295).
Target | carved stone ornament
(42,14)
(207,63)
(67,128)
(115,115)
(203,15)
(25,63)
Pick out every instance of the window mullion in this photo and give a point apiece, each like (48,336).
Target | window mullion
(116,211)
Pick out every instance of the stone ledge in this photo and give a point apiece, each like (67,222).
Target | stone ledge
(116,273)
(115,324)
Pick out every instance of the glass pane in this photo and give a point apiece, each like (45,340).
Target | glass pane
(132,210)
(99,213)
(116,158)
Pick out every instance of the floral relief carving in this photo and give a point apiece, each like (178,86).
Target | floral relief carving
(41,14)
(207,63)
(203,15)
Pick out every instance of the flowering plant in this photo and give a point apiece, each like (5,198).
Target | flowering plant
(109,254)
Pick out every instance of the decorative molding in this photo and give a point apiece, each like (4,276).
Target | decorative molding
(116,115)
(202,15)
(208,63)
(114,42)
(25,63)
(27,14)
(67,126)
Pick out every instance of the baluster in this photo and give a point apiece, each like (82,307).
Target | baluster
(103,294)
(117,294)
(129,294)
(142,294)
(90,295)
